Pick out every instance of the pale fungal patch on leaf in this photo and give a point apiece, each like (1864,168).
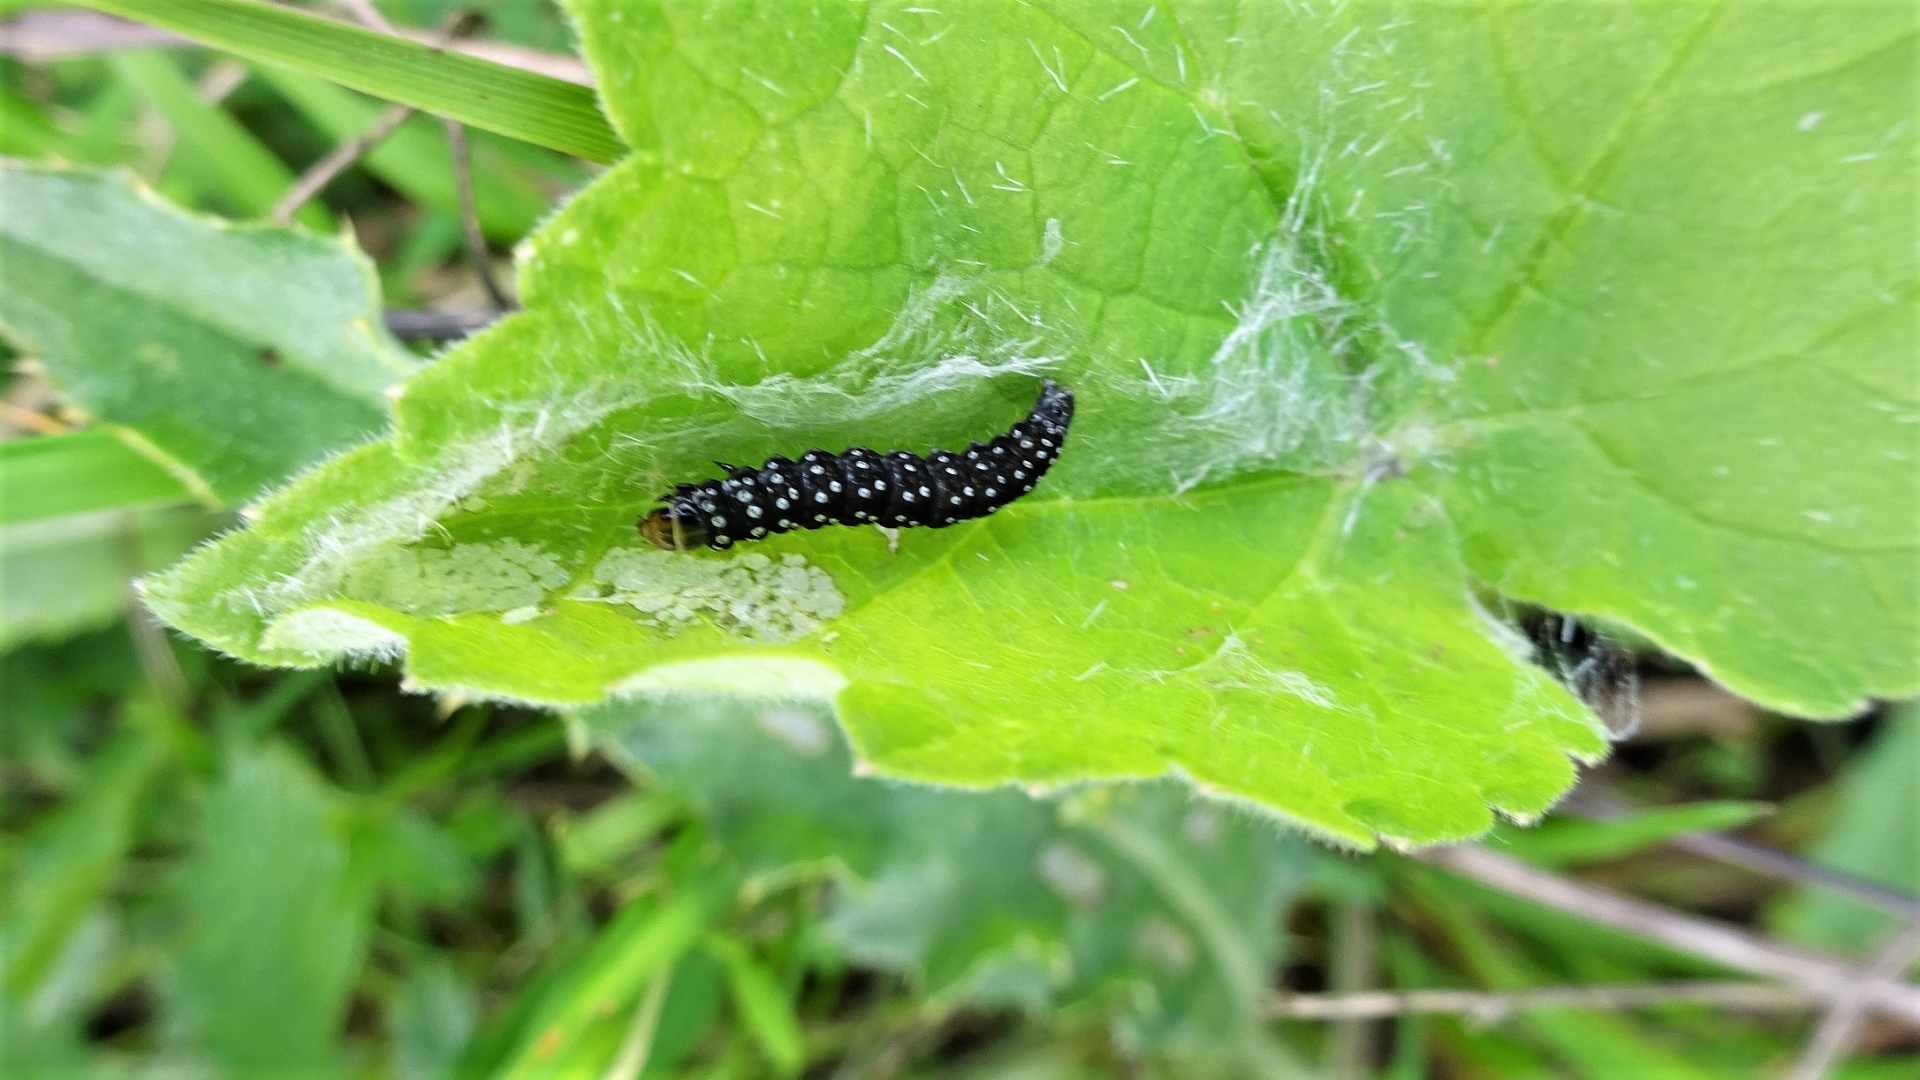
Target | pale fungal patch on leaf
(325,633)
(503,576)
(752,595)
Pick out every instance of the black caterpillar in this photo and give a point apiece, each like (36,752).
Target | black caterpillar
(1599,672)
(863,486)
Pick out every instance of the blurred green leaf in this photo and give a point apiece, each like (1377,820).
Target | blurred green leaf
(278,920)
(78,472)
(415,158)
(73,857)
(236,353)
(536,108)
(26,131)
(221,155)
(50,691)
(64,575)
(40,1048)
(1874,834)
(414,856)
(1565,841)
(433,1020)
(997,896)
(762,1005)
(692,1007)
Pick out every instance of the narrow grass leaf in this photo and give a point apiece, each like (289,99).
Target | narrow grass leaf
(76,473)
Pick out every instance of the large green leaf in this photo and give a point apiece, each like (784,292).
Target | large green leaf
(1169,905)
(232,355)
(1604,307)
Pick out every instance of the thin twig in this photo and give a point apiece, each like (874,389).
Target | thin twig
(41,37)
(21,416)
(1775,863)
(436,325)
(457,23)
(220,80)
(367,15)
(150,644)
(1355,937)
(1600,804)
(1835,1033)
(1809,969)
(336,162)
(1486,1006)
(470,215)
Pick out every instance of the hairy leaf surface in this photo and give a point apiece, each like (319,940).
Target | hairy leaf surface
(1600,306)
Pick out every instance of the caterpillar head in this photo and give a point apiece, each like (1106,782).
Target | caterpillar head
(676,526)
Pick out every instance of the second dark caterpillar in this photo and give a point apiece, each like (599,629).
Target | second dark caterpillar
(862,486)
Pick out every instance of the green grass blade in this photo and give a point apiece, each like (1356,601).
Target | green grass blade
(541,110)
(73,474)
(763,1005)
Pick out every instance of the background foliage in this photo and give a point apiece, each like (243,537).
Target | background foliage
(215,869)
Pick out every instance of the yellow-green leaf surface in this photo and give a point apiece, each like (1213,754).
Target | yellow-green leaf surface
(1603,306)
(230,355)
